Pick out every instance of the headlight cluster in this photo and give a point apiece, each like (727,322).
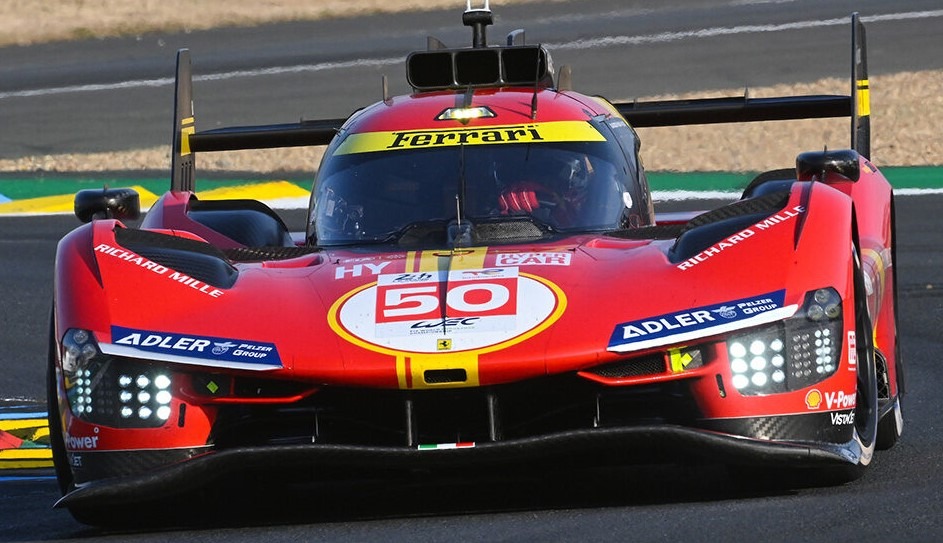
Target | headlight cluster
(791,354)
(113,391)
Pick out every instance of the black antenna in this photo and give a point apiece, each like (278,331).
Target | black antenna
(533,100)
(385,89)
(478,19)
(460,233)
(467,97)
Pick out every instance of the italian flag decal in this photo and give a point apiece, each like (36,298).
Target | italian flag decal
(437,446)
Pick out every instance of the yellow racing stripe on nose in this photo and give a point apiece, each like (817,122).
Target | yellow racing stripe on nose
(471,258)
(411,368)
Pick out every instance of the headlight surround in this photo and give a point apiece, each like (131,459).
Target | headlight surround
(792,354)
(113,391)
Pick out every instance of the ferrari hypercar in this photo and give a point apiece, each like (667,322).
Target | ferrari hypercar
(482,283)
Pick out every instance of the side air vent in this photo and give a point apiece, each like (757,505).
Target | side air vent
(194,259)
(636,367)
(480,67)
(254,254)
(708,228)
(507,231)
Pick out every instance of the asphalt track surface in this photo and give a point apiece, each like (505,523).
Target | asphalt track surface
(898,499)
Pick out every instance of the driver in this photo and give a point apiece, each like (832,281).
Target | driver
(556,194)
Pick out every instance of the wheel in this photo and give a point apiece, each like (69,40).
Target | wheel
(866,417)
(867,402)
(890,427)
(891,424)
(56,440)
(60,458)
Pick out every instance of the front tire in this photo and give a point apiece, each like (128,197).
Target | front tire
(60,458)
(867,403)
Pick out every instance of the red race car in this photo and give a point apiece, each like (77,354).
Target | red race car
(483,283)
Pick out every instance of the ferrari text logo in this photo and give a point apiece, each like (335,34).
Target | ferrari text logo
(556,131)
(438,138)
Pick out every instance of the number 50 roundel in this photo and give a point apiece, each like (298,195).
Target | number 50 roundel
(475,309)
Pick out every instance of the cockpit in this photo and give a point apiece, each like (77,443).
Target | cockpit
(375,188)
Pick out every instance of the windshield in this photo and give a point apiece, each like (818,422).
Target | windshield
(562,187)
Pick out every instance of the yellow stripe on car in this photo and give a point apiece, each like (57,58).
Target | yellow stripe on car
(556,131)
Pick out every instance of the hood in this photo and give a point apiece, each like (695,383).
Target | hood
(472,316)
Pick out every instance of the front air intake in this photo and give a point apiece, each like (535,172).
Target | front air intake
(442,377)
(189,259)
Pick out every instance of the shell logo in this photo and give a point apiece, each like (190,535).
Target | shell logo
(813,399)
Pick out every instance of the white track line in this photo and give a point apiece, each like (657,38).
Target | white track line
(607,41)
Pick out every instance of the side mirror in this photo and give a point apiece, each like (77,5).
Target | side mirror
(120,203)
(843,162)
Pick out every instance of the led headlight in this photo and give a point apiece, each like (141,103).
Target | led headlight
(791,354)
(113,391)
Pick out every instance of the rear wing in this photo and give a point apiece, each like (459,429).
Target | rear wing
(745,109)
(187,141)
(855,105)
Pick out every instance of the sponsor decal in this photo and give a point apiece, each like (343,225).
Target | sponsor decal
(697,322)
(80,443)
(442,446)
(146,264)
(456,310)
(208,348)
(843,419)
(852,351)
(356,270)
(840,400)
(477,135)
(813,399)
(741,236)
(532,259)
(832,400)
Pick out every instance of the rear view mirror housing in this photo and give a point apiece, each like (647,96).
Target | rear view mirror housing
(106,203)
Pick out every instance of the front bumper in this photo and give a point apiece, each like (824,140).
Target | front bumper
(661,443)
